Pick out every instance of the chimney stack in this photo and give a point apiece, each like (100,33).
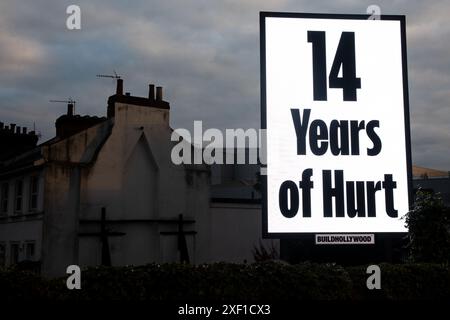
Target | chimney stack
(24,130)
(159,94)
(119,90)
(12,126)
(70,109)
(17,130)
(151,92)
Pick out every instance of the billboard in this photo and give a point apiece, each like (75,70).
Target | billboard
(334,103)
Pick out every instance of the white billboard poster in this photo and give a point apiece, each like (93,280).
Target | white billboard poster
(335,109)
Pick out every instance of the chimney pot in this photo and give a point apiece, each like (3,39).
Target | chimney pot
(70,109)
(127,94)
(119,90)
(151,92)
(159,93)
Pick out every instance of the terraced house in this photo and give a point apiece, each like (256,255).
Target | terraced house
(105,191)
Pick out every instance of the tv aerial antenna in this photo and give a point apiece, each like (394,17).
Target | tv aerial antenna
(114,76)
(69,101)
(37,133)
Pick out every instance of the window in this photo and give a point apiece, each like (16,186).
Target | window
(18,196)
(2,254)
(30,250)
(4,193)
(34,192)
(14,256)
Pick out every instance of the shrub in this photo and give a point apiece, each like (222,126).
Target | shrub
(219,282)
(429,229)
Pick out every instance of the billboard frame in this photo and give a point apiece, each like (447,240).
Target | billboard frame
(262,27)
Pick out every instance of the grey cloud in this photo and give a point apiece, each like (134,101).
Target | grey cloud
(204,53)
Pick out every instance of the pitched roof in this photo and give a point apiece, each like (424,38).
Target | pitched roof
(420,172)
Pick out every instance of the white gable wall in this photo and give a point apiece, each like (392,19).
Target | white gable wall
(134,179)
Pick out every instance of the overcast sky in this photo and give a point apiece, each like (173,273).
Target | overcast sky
(205,53)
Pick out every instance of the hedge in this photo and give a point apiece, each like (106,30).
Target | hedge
(267,281)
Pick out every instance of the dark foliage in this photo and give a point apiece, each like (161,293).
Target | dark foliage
(429,229)
(267,281)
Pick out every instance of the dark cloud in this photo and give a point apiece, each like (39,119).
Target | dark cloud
(204,53)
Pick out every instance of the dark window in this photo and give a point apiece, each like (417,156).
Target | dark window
(29,252)
(34,192)
(2,254)
(18,196)
(14,257)
(4,193)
